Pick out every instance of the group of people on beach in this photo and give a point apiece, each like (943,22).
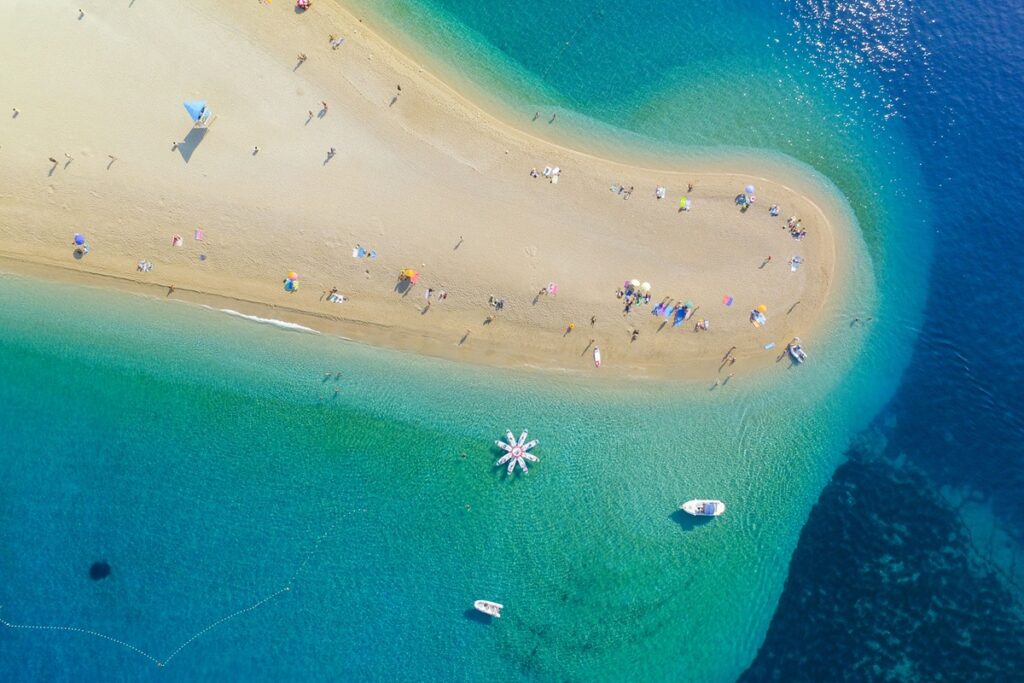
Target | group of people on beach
(795,231)
(631,296)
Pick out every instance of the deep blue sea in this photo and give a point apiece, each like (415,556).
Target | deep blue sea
(263,521)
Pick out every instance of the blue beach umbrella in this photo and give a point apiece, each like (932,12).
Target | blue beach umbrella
(79,239)
(196,109)
(749,189)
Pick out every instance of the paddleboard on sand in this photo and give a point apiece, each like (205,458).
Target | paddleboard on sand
(597,357)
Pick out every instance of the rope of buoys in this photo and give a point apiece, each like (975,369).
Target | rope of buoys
(201,632)
(598,9)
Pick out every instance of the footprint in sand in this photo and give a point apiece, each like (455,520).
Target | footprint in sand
(531,251)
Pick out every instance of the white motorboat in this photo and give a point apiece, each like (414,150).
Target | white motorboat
(796,351)
(703,508)
(491,609)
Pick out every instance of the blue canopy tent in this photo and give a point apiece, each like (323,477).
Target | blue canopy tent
(197,110)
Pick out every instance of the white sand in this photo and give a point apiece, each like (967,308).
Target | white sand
(430,182)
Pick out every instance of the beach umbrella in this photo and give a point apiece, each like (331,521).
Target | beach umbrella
(762,308)
(634,283)
(293,276)
(552,288)
(682,202)
(196,109)
(645,287)
(749,189)
(79,239)
(727,300)
(411,275)
(688,304)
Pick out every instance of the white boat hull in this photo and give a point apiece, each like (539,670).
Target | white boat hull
(703,508)
(491,609)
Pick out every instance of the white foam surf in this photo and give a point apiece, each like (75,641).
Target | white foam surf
(282,324)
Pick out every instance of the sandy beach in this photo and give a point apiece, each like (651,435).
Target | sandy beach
(95,140)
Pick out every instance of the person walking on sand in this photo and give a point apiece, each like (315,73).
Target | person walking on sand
(767,260)
(426,294)
(593,320)
(323,106)
(301,57)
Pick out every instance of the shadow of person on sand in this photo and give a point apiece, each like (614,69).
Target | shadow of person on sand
(187,147)
(688,522)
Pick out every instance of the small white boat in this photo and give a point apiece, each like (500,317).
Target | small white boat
(796,351)
(597,357)
(703,508)
(491,609)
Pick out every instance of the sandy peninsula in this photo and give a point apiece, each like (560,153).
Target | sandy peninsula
(94,140)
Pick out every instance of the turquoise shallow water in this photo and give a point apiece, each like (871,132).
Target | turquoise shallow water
(207,460)
(210,463)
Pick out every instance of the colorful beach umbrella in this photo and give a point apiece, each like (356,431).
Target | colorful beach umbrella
(79,239)
(293,276)
(410,275)
(727,300)
(689,304)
